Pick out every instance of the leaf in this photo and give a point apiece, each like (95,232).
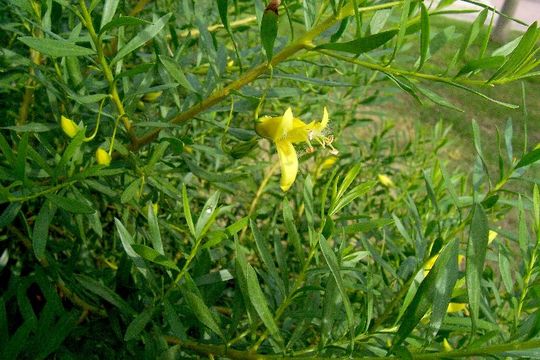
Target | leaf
(255,295)
(476,254)
(127,242)
(88,99)
(55,48)
(262,249)
(154,256)
(481,64)
(105,293)
(529,158)
(436,283)
(361,45)
(436,98)
(350,197)
(70,204)
(187,211)
(269,28)
(153,226)
(41,228)
(9,214)
(138,324)
(207,216)
(175,70)
(519,54)
(424,36)
(402,28)
(122,21)
(109,9)
(292,232)
(195,302)
(142,38)
(30,127)
(331,261)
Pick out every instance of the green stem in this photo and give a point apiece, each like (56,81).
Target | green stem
(401,72)
(113,91)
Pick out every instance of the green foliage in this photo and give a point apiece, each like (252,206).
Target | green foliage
(185,244)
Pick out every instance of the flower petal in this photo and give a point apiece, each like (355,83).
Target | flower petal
(268,127)
(287,121)
(325,118)
(288,162)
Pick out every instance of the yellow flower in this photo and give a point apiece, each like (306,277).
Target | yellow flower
(70,128)
(103,157)
(287,130)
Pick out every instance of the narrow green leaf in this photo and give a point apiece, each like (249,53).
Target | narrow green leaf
(154,256)
(207,216)
(424,36)
(402,28)
(122,21)
(105,293)
(70,204)
(30,127)
(332,263)
(142,38)
(492,62)
(194,299)
(130,191)
(187,211)
(55,48)
(255,294)
(292,232)
(269,28)
(262,249)
(175,70)
(361,45)
(476,254)
(437,283)
(519,54)
(153,226)
(41,228)
(137,325)
(9,214)
(351,196)
(109,9)
(127,242)
(529,158)
(436,98)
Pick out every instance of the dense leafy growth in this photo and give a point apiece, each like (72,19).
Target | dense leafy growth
(141,213)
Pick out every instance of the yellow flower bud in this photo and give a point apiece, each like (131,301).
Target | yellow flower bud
(70,128)
(455,307)
(385,180)
(446,345)
(103,157)
(492,236)
(152,96)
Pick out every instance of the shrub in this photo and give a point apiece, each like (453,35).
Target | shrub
(142,213)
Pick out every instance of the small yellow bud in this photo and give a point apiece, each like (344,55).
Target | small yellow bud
(492,235)
(385,180)
(455,307)
(70,128)
(152,96)
(446,345)
(328,162)
(103,157)
(155,207)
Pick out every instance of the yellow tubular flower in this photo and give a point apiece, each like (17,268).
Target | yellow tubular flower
(287,130)
(70,128)
(103,157)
